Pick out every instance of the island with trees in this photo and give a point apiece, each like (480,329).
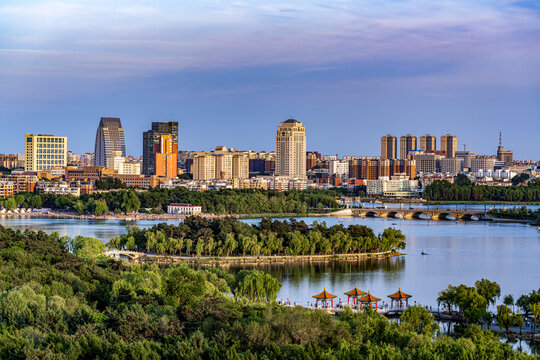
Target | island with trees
(230,237)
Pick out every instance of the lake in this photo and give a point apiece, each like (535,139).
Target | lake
(459,252)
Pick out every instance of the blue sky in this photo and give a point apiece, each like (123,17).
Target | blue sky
(230,71)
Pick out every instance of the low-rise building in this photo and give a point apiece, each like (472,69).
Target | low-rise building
(6,189)
(58,188)
(184,209)
(398,185)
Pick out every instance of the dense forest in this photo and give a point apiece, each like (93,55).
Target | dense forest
(465,190)
(156,200)
(55,304)
(230,237)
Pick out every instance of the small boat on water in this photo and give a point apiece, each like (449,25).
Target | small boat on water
(394,223)
(424,252)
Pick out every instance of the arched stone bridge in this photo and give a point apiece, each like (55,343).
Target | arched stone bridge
(426,214)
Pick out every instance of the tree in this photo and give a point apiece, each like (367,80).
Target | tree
(535,309)
(130,202)
(101,207)
(508,300)
(420,320)
(36,202)
(10,204)
(87,248)
(490,290)
(256,286)
(79,207)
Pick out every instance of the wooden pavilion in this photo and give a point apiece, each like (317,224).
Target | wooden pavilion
(324,297)
(398,297)
(355,294)
(368,300)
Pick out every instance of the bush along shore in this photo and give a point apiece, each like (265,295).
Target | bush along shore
(61,299)
(227,237)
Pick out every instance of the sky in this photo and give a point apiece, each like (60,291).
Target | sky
(230,71)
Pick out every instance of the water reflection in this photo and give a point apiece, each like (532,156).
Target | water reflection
(334,272)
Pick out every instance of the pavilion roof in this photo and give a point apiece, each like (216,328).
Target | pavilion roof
(324,295)
(355,292)
(368,298)
(399,295)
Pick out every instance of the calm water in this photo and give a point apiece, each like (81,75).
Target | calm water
(459,252)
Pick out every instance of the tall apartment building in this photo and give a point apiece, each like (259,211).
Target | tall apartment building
(407,143)
(388,147)
(204,167)
(428,142)
(220,165)
(291,149)
(109,138)
(240,166)
(166,157)
(44,152)
(449,145)
(151,138)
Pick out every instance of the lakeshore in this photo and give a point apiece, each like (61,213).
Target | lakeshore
(140,257)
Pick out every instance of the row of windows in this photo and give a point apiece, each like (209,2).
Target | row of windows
(49,151)
(50,162)
(50,140)
(50,157)
(50,146)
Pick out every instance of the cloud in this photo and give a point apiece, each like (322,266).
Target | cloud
(121,38)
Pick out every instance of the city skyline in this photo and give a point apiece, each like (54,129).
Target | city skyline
(466,68)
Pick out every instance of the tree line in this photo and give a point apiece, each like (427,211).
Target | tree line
(156,200)
(198,236)
(62,304)
(464,190)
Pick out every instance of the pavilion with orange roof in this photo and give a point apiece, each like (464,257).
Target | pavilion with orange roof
(324,297)
(398,297)
(368,300)
(355,294)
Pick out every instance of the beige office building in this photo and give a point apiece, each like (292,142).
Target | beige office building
(291,149)
(44,152)
(449,145)
(428,142)
(407,143)
(388,147)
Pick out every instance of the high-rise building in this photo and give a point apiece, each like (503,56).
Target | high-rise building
(406,143)
(151,138)
(43,152)
(506,156)
(388,147)
(428,142)
(109,138)
(291,149)
(449,145)
(166,157)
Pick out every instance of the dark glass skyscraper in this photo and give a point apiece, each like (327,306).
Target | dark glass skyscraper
(151,138)
(109,138)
